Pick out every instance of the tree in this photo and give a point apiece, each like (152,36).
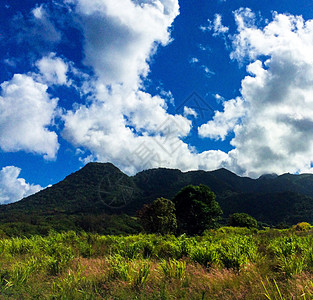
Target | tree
(242,220)
(158,217)
(196,209)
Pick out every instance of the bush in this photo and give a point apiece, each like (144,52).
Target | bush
(206,254)
(242,220)
(303,226)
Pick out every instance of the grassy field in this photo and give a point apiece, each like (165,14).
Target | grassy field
(228,263)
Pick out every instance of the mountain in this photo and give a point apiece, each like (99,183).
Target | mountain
(100,196)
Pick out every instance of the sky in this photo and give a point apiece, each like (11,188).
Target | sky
(190,84)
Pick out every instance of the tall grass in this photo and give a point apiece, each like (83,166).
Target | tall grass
(220,264)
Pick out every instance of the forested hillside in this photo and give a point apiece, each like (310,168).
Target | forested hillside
(101,196)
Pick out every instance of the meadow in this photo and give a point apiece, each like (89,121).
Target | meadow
(226,263)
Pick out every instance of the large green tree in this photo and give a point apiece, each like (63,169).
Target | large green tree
(158,217)
(196,209)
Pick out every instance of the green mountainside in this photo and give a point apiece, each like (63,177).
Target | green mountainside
(101,197)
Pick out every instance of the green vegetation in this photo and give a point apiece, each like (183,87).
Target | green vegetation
(302,226)
(41,225)
(242,220)
(196,209)
(80,239)
(228,263)
(100,198)
(158,217)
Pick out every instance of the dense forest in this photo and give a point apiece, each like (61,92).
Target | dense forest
(99,198)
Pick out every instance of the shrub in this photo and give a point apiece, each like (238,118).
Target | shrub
(168,249)
(303,226)
(120,268)
(236,251)
(205,254)
(173,269)
(140,278)
(242,220)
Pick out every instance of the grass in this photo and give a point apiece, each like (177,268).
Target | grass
(221,264)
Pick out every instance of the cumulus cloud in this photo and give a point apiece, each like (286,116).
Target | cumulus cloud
(26,112)
(13,188)
(121,36)
(52,69)
(223,122)
(119,133)
(273,119)
(123,124)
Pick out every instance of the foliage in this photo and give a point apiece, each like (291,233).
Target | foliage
(103,224)
(242,220)
(173,268)
(220,264)
(158,217)
(196,209)
(303,226)
(82,200)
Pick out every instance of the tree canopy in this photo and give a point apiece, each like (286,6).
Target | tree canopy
(158,217)
(196,209)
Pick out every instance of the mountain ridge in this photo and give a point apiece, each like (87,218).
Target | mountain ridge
(103,189)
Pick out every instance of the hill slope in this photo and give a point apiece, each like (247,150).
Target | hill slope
(102,189)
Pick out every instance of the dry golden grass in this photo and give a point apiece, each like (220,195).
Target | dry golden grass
(261,275)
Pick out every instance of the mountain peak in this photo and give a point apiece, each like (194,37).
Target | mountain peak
(99,164)
(268,176)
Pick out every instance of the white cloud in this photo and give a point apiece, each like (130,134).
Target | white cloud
(167,95)
(190,112)
(123,124)
(53,69)
(205,28)
(13,188)
(113,133)
(219,98)
(204,48)
(207,71)
(218,27)
(120,36)
(194,60)
(10,62)
(38,12)
(32,33)
(223,122)
(273,120)
(26,112)
(41,27)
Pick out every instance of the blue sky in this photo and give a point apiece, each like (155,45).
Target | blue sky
(153,83)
